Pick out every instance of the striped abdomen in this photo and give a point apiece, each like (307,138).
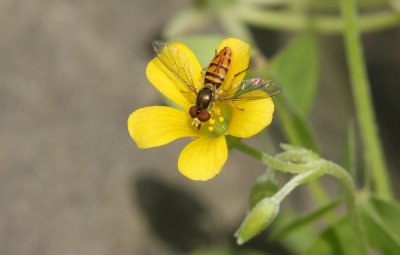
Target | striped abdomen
(218,68)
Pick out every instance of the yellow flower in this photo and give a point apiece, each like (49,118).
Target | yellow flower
(205,156)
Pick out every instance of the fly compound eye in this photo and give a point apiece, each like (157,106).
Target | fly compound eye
(193,111)
(203,115)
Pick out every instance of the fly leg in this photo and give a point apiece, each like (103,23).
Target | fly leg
(234,76)
(241,72)
(234,105)
(196,123)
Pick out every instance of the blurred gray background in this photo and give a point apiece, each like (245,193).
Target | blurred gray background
(70,74)
(71,179)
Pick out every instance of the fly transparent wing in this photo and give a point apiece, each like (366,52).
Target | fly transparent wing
(251,89)
(177,64)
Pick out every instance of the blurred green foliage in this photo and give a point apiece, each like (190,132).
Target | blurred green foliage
(297,68)
(226,252)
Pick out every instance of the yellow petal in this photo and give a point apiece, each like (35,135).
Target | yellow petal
(158,125)
(250,117)
(203,158)
(184,62)
(240,60)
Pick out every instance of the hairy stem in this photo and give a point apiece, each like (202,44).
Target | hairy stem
(326,167)
(292,21)
(374,161)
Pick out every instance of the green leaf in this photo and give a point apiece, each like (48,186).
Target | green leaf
(297,129)
(305,131)
(299,240)
(336,239)
(185,21)
(379,234)
(382,223)
(296,67)
(203,46)
(226,252)
(304,221)
(232,25)
(349,152)
(389,212)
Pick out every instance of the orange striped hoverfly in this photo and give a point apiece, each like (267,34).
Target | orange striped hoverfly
(212,78)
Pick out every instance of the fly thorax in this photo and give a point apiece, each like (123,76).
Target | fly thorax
(204,98)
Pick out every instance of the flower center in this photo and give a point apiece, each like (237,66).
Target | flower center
(219,122)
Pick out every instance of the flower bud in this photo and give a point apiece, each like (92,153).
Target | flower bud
(263,188)
(257,220)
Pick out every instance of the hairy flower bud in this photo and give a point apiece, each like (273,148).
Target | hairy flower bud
(257,220)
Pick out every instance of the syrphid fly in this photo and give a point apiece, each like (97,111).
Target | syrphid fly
(209,89)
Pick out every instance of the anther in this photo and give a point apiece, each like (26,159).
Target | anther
(212,121)
(210,129)
(221,119)
(217,111)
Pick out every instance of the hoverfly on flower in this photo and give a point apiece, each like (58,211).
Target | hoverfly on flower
(212,103)
(208,90)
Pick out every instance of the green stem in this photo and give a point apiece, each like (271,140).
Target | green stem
(287,123)
(325,167)
(293,183)
(373,157)
(293,21)
(278,164)
(295,139)
(319,5)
